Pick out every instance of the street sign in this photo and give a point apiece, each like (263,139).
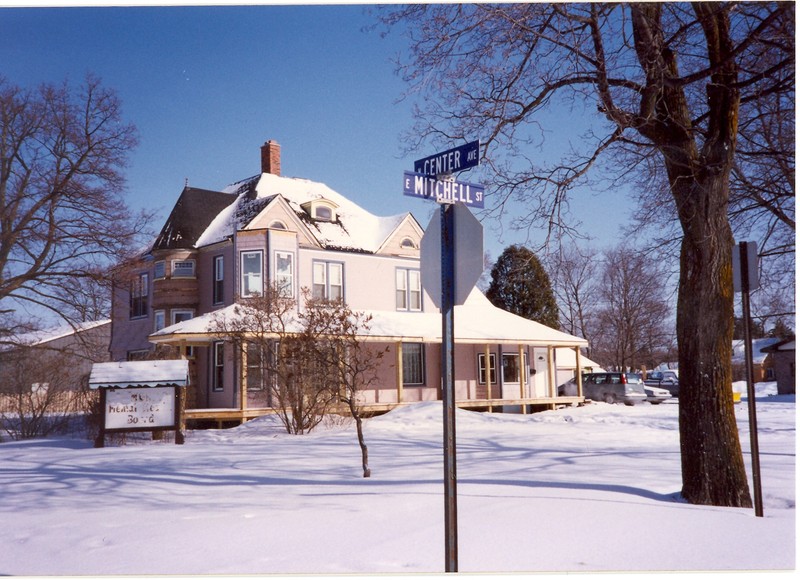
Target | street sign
(752,266)
(450,161)
(442,190)
(468,249)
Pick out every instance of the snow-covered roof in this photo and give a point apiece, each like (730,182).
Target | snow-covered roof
(477,321)
(40,337)
(355,229)
(151,373)
(758,344)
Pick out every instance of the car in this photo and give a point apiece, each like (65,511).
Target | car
(656,395)
(612,387)
(664,379)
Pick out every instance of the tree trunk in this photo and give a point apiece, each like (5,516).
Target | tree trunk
(360,432)
(711,455)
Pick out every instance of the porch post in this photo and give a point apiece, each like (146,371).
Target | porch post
(551,375)
(487,368)
(243,382)
(578,371)
(399,372)
(521,353)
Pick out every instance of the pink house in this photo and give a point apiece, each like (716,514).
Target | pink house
(218,246)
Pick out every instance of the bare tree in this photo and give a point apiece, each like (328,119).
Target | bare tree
(343,351)
(633,313)
(63,220)
(314,356)
(668,83)
(298,381)
(573,272)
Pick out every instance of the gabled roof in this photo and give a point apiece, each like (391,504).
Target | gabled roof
(354,229)
(192,214)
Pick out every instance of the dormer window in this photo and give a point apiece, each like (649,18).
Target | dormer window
(321,210)
(323,213)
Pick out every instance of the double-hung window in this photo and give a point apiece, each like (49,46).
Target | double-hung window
(482,369)
(217,365)
(219,280)
(284,273)
(140,289)
(252,273)
(408,289)
(328,282)
(413,363)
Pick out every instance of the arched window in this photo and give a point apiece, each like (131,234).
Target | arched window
(408,243)
(277,225)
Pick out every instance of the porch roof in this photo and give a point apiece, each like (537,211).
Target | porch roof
(151,373)
(477,321)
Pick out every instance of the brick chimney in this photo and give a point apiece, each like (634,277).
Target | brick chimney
(271,158)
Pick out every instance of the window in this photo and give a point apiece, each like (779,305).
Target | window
(408,243)
(408,290)
(323,213)
(278,225)
(181,314)
(160,320)
(217,365)
(252,265)
(328,282)
(160,270)
(183,269)
(255,367)
(511,368)
(482,369)
(140,289)
(284,273)
(219,280)
(413,363)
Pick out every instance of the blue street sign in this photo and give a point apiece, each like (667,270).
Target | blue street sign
(442,191)
(450,161)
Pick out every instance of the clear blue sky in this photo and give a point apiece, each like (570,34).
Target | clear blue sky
(206,86)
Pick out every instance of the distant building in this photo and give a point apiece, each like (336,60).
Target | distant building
(219,247)
(783,359)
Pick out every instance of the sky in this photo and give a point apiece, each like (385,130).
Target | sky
(206,86)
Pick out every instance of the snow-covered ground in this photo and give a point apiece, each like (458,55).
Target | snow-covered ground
(577,490)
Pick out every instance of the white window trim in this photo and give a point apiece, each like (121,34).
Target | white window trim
(219,276)
(176,311)
(176,269)
(327,264)
(275,273)
(242,274)
(404,274)
(156,315)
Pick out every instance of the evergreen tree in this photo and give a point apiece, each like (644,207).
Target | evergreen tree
(521,285)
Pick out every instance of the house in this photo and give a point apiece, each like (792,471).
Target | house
(783,360)
(762,363)
(57,359)
(220,247)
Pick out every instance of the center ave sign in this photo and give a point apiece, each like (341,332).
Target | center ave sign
(450,161)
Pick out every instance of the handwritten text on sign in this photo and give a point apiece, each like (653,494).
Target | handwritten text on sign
(140,408)
(442,191)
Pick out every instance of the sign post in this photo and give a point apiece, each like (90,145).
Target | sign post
(428,182)
(745,267)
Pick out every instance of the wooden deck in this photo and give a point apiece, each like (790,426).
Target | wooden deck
(222,416)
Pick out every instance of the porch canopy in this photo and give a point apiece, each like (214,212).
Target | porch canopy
(151,373)
(477,321)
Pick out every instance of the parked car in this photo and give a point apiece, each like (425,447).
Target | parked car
(656,395)
(614,387)
(664,379)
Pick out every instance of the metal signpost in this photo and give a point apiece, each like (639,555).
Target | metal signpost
(433,184)
(745,278)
